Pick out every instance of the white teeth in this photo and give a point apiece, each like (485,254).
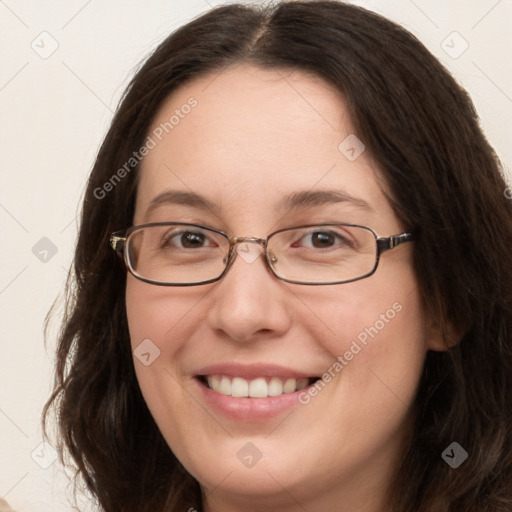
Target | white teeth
(289,386)
(257,388)
(214,381)
(275,387)
(239,387)
(224,386)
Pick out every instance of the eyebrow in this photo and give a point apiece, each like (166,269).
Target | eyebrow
(294,201)
(310,198)
(184,198)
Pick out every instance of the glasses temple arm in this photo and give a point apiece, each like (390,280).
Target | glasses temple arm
(117,242)
(385,244)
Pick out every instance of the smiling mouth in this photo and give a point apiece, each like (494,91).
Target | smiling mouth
(261,387)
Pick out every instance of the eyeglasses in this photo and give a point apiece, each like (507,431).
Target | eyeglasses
(181,254)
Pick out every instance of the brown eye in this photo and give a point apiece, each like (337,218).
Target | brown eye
(321,239)
(187,240)
(192,240)
(325,239)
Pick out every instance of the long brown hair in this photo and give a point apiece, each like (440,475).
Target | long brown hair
(446,185)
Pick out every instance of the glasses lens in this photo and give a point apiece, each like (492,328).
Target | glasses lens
(177,254)
(323,254)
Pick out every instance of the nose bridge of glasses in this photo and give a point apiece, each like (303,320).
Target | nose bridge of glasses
(249,248)
(237,240)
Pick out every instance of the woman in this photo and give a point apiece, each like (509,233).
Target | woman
(292,289)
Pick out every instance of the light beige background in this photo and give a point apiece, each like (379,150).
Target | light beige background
(55,110)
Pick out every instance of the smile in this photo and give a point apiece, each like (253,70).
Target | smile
(251,392)
(260,387)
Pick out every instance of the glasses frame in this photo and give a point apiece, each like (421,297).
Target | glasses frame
(119,240)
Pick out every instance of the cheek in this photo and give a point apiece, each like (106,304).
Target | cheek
(155,316)
(377,347)
(379,344)
(375,332)
(152,315)
(387,351)
(169,318)
(153,312)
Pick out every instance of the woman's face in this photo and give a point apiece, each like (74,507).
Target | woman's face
(254,138)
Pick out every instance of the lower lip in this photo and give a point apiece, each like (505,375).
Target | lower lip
(249,409)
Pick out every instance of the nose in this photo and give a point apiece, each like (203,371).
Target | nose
(249,302)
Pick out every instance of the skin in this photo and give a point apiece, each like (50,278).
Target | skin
(254,136)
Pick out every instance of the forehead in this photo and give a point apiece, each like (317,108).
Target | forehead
(246,136)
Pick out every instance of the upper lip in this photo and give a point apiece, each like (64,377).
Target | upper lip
(252,371)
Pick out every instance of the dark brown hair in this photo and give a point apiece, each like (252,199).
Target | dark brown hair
(446,185)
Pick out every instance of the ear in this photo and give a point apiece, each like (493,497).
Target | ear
(442,334)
